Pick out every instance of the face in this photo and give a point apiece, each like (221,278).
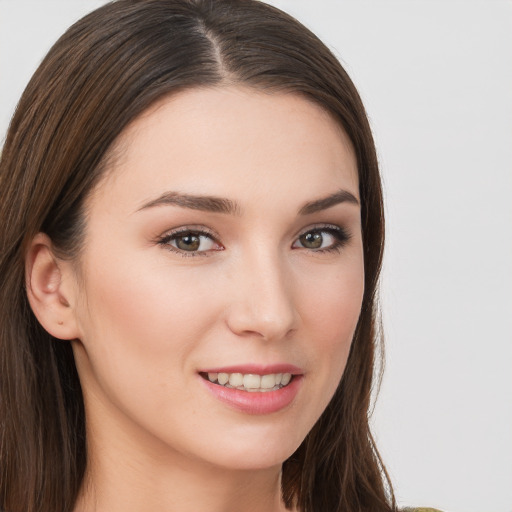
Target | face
(224,244)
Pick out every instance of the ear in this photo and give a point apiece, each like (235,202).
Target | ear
(51,289)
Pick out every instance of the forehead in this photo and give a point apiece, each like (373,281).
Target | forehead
(229,141)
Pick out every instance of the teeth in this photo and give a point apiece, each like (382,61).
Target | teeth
(268,381)
(223,378)
(236,379)
(251,382)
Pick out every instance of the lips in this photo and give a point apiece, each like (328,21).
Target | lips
(254,389)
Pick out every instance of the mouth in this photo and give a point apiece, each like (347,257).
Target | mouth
(254,389)
(250,382)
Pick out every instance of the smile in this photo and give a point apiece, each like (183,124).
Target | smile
(250,382)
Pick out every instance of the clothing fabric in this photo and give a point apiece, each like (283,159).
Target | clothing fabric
(420,510)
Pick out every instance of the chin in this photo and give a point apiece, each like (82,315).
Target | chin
(251,459)
(252,450)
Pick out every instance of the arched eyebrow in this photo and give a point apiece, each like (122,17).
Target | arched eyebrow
(204,203)
(227,206)
(342,196)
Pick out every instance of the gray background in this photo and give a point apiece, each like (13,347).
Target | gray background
(436,77)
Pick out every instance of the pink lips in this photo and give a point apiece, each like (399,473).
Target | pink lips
(258,402)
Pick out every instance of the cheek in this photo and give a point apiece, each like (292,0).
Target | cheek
(332,301)
(141,330)
(140,323)
(331,311)
(148,302)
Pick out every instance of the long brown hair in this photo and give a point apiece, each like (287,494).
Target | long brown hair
(101,74)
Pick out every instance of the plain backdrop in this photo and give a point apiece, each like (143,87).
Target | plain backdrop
(436,78)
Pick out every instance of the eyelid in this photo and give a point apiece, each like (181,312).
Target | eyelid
(323,227)
(317,227)
(194,228)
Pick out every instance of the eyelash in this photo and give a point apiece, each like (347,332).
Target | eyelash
(341,237)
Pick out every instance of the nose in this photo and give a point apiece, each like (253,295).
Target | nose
(263,302)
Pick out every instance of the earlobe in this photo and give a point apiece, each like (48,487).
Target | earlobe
(49,298)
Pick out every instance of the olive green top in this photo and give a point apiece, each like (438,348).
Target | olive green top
(420,510)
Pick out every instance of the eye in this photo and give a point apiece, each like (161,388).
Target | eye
(322,239)
(190,242)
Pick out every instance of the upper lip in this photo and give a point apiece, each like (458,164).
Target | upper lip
(256,369)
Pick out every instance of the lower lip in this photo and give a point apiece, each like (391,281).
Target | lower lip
(265,402)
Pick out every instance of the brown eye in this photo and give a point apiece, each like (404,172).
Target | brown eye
(191,242)
(322,239)
(188,242)
(312,240)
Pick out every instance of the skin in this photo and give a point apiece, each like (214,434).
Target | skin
(145,318)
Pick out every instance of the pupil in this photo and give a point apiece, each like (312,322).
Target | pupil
(188,242)
(312,240)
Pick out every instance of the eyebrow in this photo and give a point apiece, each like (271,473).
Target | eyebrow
(227,206)
(342,196)
(203,203)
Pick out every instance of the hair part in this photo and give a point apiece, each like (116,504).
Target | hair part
(103,73)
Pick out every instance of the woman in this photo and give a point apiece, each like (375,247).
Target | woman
(191,238)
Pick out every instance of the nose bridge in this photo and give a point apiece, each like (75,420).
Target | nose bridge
(264,304)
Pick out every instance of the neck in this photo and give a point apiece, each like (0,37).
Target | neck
(177,491)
